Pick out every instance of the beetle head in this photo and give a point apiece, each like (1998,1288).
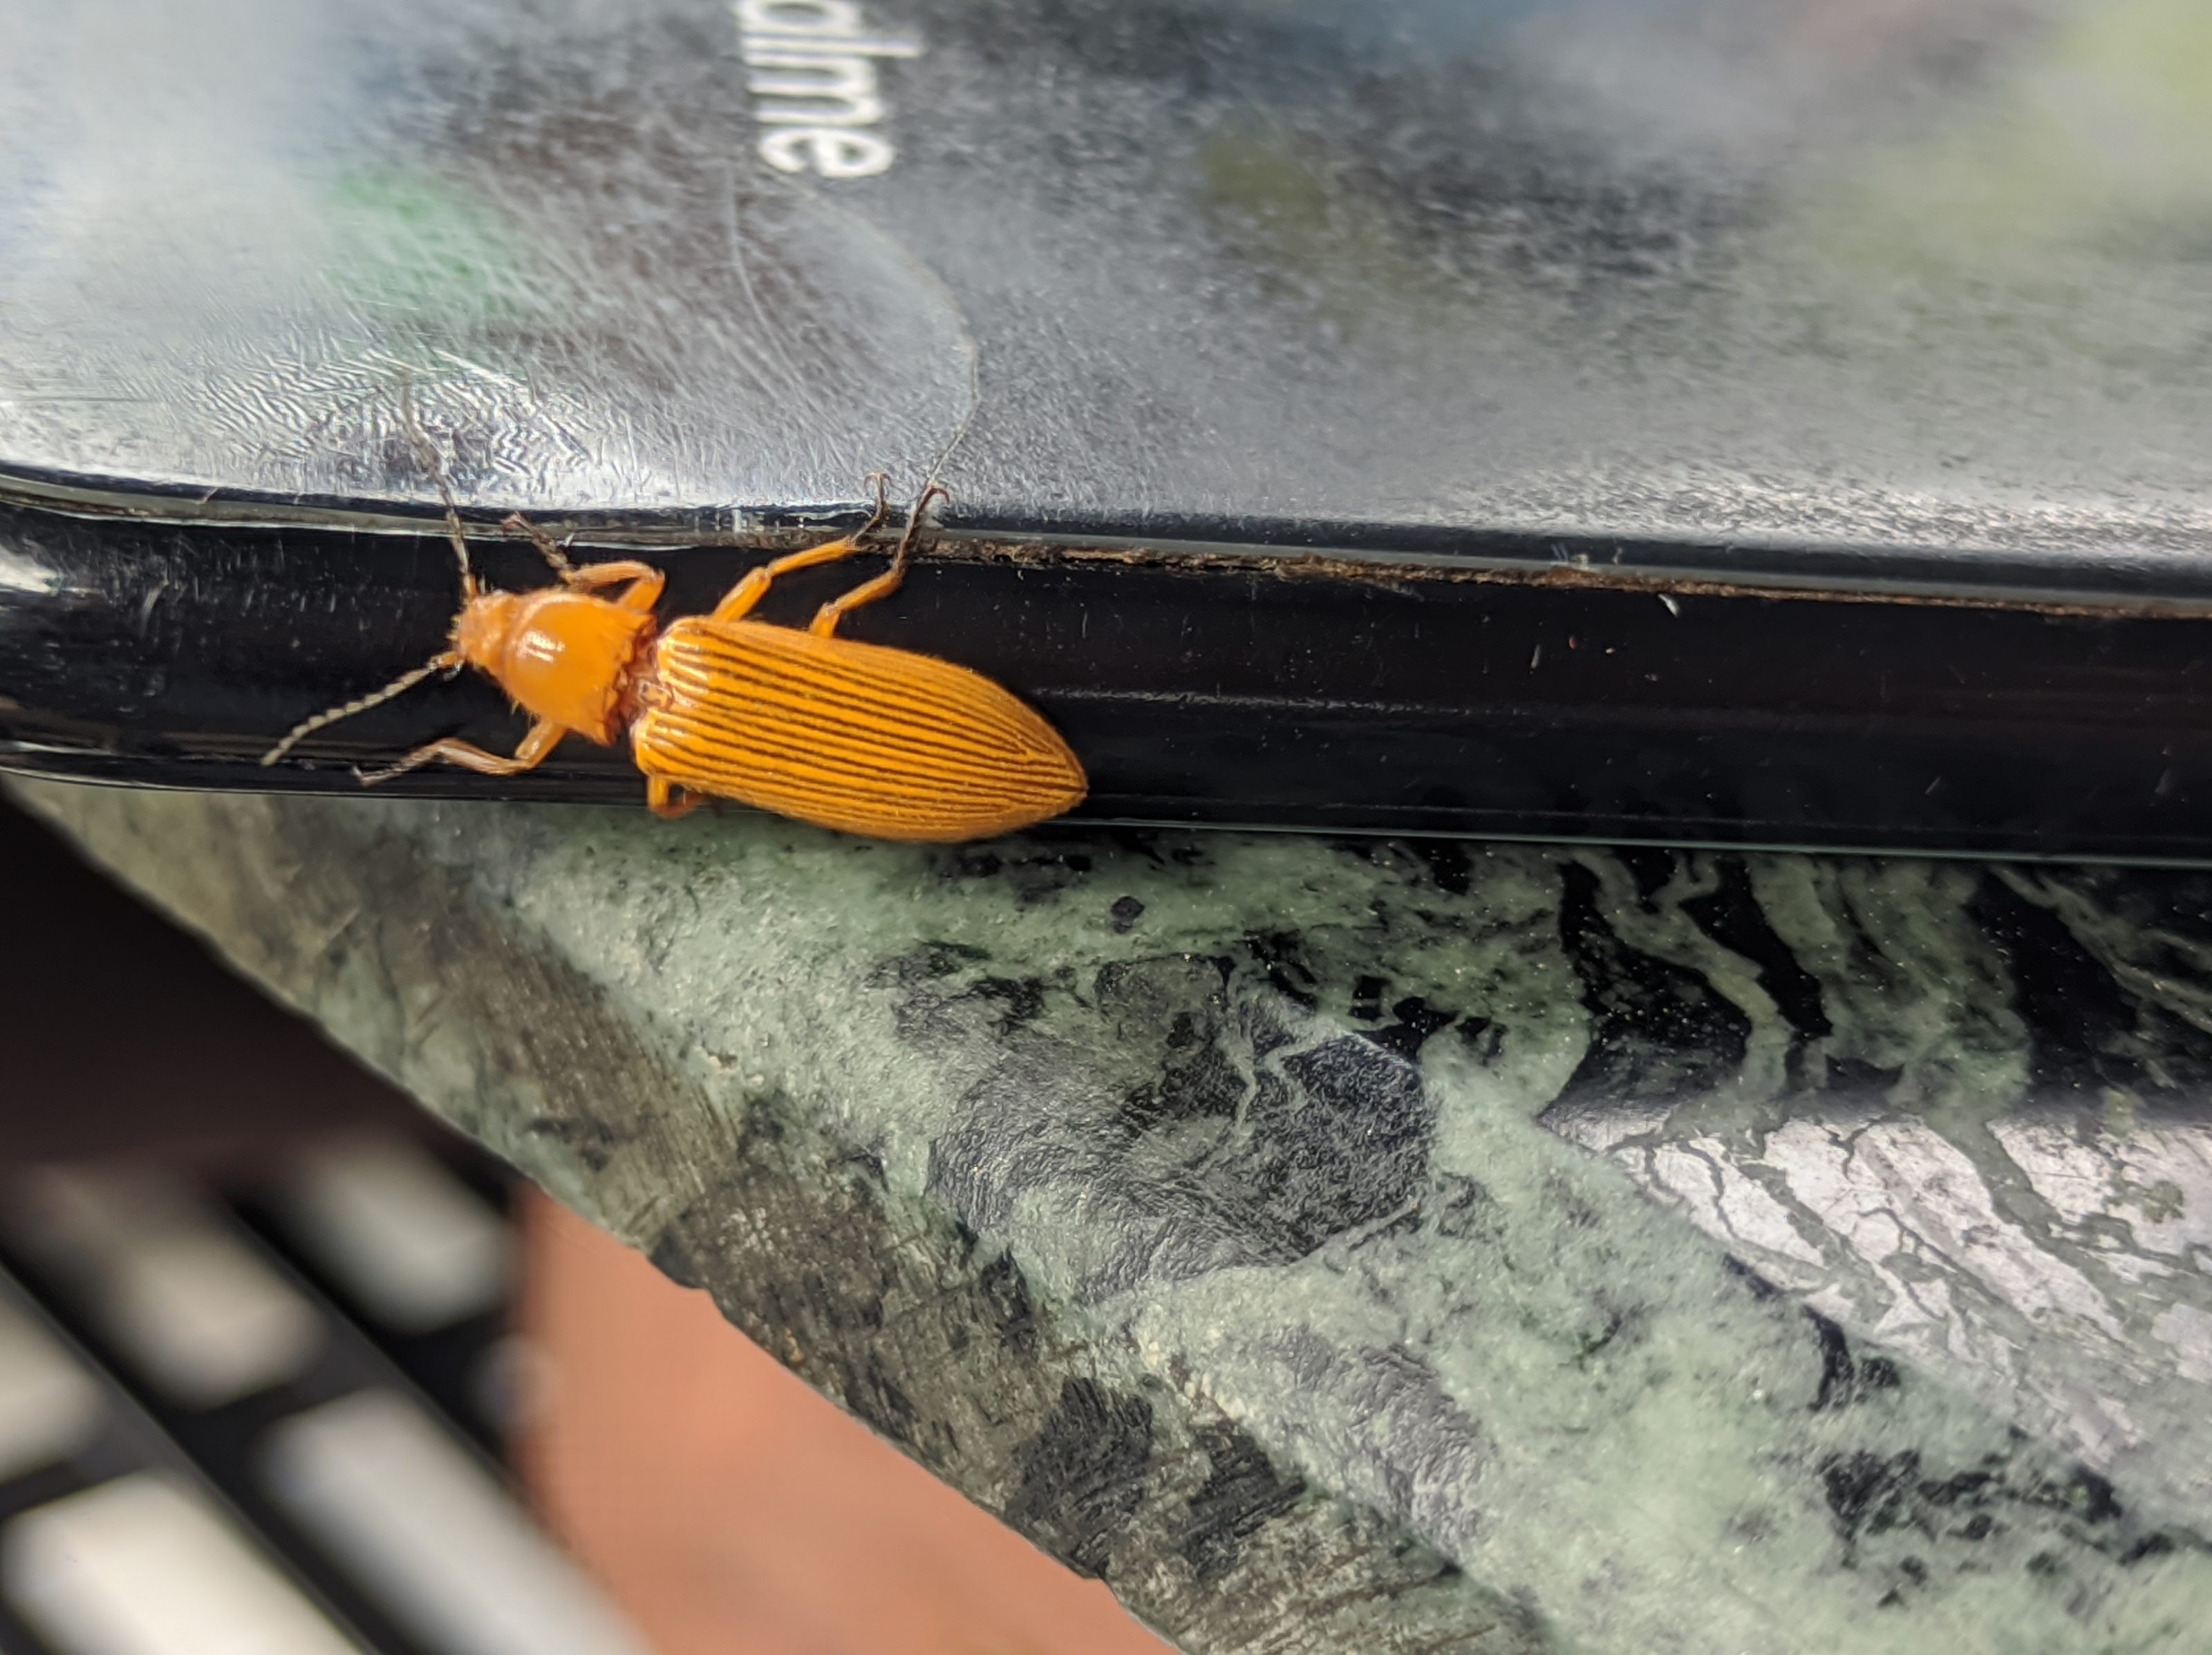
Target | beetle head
(485,623)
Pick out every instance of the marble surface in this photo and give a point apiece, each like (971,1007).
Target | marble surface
(1379,1245)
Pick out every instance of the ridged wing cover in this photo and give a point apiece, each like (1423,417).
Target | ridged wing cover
(849,735)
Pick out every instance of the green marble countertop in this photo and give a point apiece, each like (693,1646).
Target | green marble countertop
(1358,1245)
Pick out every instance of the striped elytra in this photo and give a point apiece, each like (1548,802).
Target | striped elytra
(853,736)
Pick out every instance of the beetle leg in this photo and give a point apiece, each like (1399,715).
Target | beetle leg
(646,582)
(661,798)
(591,577)
(827,616)
(536,747)
(547,546)
(739,600)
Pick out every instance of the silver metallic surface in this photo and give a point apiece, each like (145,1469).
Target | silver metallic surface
(1765,271)
(231,234)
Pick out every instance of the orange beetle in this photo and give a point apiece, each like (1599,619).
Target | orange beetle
(846,735)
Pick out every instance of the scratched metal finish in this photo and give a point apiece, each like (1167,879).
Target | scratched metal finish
(1742,272)
(1213,1207)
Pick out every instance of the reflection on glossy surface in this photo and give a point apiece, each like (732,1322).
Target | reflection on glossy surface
(1967,1123)
(231,233)
(1754,268)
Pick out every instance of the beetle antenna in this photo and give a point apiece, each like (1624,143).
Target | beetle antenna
(905,555)
(450,662)
(425,452)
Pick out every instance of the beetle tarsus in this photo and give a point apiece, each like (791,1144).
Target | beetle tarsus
(535,748)
(668,802)
(427,454)
(825,620)
(548,547)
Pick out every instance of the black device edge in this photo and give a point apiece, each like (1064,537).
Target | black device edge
(1533,693)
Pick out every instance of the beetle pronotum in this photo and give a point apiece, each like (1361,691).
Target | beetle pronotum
(846,735)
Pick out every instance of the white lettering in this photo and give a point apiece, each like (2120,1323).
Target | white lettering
(844,46)
(813,17)
(833,91)
(831,151)
(811,68)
